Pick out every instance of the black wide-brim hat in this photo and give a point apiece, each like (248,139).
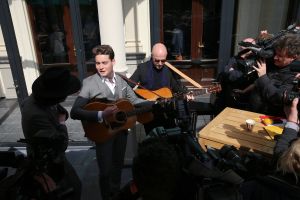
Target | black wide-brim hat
(55,83)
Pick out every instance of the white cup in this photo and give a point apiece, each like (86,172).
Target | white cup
(250,124)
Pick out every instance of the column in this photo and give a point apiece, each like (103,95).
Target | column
(111,25)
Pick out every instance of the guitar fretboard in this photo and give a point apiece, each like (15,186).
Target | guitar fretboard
(138,111)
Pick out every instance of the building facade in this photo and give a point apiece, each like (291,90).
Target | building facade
(200,35)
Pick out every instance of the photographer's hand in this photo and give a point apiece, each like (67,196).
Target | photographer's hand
(291,111)
(46,182)
(261,67)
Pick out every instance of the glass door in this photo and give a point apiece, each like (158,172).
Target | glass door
(190,30)
(52,30)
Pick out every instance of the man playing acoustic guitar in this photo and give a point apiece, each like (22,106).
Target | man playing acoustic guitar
(105,84)
(154,76)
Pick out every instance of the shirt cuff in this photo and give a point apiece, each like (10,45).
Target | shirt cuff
(100,118)
(292,125)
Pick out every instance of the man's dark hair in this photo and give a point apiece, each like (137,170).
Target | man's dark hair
(104,50)
(156,169)
(290,42)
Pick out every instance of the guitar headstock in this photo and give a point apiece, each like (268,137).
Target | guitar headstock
(215,88)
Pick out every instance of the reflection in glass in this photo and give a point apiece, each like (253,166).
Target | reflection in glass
(211,28)
(52,28)
(90,27)
(177,29)
(177,25)
(50,32)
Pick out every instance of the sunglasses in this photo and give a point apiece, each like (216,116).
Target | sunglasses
(157,61)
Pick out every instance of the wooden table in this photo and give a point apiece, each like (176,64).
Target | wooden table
(229,127)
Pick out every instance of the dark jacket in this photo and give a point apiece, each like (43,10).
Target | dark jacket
(272,86)
(285,140)
(51,150)
(267,96)
(153,79)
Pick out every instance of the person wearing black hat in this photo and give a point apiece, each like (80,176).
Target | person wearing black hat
(105,84)
(43,117)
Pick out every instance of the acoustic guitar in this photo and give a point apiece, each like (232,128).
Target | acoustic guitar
(122,120)
(167,93)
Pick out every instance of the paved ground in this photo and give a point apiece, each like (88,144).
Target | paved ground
(80,153)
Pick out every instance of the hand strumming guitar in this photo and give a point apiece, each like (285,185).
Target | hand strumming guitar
(109,113)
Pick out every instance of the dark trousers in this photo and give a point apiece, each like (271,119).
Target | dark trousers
(71,180)
(110,158)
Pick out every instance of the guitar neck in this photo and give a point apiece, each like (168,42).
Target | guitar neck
(200,92)
(139,111)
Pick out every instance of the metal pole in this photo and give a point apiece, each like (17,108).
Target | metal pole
(12,51)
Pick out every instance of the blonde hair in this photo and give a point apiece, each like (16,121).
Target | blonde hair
(289,161)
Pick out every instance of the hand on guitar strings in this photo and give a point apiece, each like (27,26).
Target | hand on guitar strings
(190,96)
(109,112)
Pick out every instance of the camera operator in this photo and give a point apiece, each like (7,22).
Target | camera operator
(234,81)
(269,87)
(45,131)
(284,182)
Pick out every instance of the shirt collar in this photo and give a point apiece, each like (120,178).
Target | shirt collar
(104,79)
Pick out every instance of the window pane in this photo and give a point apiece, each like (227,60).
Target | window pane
(211,28)
(177,28)
(49,28)
(90,26)
(180,17)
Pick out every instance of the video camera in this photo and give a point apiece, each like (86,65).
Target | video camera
(263,49)
(21,184)
(289,96)
(176,110)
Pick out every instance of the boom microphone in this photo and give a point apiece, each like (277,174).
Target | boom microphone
(265,53)
(269,53)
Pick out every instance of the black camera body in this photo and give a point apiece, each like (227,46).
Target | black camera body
(174,111)
(289,96)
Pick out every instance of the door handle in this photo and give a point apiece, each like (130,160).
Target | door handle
(200,45)
(74,49)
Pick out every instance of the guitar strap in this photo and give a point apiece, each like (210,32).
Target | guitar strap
(137,84)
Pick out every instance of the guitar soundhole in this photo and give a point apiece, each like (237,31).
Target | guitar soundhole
(121,117)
